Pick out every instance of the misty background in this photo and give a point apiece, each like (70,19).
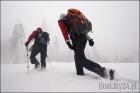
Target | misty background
(115,29)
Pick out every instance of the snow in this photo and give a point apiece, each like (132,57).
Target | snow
(116,36)
(61,77)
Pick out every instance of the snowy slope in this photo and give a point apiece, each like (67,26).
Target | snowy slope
(61,77)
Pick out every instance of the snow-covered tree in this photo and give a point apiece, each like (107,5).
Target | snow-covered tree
(16,42)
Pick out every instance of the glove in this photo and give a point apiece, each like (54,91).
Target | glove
(70,45)
(91,42)
(26,44)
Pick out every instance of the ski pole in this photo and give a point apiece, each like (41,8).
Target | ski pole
(27,59)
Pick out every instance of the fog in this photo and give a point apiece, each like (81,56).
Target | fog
(115,29)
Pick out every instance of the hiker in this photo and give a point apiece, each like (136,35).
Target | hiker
(41,40)
(75,27)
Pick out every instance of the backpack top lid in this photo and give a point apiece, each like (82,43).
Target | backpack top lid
(80,24)
(76,13)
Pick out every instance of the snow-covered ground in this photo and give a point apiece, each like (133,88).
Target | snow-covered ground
(61,77)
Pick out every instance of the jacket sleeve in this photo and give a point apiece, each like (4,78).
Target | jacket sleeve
(63,30)
(48,38)
(32,36)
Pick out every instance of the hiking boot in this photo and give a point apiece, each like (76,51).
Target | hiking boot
(81,74)
(111,73)
(37,65)
(43,68)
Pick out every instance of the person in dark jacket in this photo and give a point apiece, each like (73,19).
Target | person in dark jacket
(40,46)
(77,43)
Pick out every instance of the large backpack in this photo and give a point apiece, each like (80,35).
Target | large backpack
(42,38)
(81,25)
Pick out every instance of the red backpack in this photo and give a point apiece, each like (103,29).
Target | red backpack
(76,13)
(77,22)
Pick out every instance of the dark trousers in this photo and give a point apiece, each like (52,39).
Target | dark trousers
(81,61)
(43,54)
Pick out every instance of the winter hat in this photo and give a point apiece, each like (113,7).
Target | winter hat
(39,29)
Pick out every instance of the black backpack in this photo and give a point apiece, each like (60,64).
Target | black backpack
(78,28)
(42,38)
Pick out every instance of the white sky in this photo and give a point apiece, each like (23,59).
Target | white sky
(115,23)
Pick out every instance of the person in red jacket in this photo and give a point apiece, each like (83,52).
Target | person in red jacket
(40,46)
(77,43)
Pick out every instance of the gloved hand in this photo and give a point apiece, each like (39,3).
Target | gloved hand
(26,44)
(70,45)
(91,42)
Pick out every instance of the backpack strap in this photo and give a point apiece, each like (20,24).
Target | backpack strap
(37,38)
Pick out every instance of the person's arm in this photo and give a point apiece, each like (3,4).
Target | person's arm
(91,42)
(31,37)
(63,30)
(48,37)
(65,33)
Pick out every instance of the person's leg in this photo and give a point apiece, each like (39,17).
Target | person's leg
(43,56)
(86,63)
(33,59)
(34,52)
(81,61)
(79,67)
(79,54)
(92,66)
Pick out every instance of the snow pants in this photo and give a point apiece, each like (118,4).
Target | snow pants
(81,61)
(43,54)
